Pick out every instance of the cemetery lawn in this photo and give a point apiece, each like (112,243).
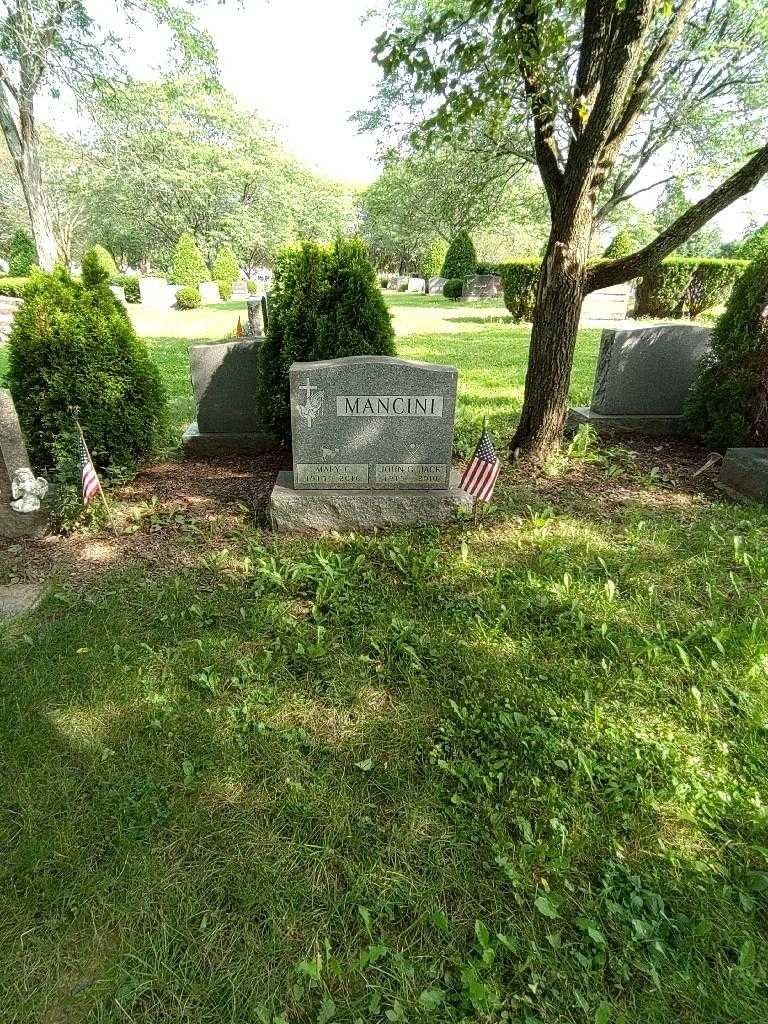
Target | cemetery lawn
(513,772)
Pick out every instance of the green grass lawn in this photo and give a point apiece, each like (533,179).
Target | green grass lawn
(507,773)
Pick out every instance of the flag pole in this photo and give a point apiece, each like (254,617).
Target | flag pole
(107,509)
(476,509)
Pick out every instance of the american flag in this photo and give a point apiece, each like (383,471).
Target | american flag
(480,475)
(91,485)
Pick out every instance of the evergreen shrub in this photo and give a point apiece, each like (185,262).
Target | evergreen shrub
(225,290)
(187,298)
(461,258)
(520,279)
(453,288)
(225,266)
(71,345)
(188,267)
(686,286)
(325,304)
(728,403)
(22,254)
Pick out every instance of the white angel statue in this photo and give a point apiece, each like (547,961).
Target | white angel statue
(27,491)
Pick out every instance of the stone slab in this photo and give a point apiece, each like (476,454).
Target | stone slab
(436,285)
(482,286)
(154,292)
(648,370)
(661,425)
(209,293)
(18,598)
(119,292)
(317,512)
(607,304)
(416,285)
(225,380)
(744,473)
(13,456)
(372,422)
(196,443)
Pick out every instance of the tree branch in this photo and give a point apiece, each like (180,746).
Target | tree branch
(739,184)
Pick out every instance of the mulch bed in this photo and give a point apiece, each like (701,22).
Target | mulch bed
(174,511)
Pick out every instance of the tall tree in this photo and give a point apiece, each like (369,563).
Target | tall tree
(594,79)
(52,44)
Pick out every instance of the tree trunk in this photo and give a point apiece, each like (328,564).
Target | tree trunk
(553,339)
(24,148)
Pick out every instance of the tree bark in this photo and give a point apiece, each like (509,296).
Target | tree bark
(23,145)
(553,338)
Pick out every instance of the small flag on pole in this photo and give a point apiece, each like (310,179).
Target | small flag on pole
(480,475)
(91,485)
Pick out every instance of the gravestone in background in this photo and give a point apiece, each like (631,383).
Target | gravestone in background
(436,285)
(482,286)
(209,293)
(372,440)
(744,473)
(416,285)
(608,303)
(256,318)
(156,293)
(119,292)
(225,380)
(643,377)
(13,457)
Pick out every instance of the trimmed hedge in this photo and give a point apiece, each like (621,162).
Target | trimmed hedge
(189,267)
(520,279)
(71,345)
(453,288)
(14,286)
(727,406)
(105,259)
(326,303)
(621,245)
(686,286)
(225,266)
(225,290)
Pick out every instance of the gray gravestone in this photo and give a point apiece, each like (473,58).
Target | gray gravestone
(256,318)
(608,303)
(13,457)
(372,445)
(643,377)
(225,380)
(482,286)
(744,473)
(436,285)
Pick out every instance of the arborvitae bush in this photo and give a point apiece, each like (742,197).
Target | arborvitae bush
(22,255)
(74,346)
(252,288)
(187,298)
(434,259)
(105,258)
(130,283)
(453,288)
(756,246)
(225,290)
(622,245)
(95,271)
(728,404)
(521,280)
(461,258)
(686,286)
(325,304)
(225,266)
(188,267)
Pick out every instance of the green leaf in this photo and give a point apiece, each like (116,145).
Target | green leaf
(545,906)
(327,1011)
(431,998)
(603,1013)
(364,766)
(747,955)
(482,934)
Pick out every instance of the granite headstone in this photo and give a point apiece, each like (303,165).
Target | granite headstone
(643,377)
(372,422)
(482,286)
(13,458)
(608,303)
(209,293)
(225,380)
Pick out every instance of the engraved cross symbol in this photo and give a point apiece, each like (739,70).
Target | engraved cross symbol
(313,404)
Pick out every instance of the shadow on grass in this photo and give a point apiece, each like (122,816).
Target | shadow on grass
(209,776)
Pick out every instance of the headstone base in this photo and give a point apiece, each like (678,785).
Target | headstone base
(18,598)
(744,473)
(628,424)
(315,512)
(196,443)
